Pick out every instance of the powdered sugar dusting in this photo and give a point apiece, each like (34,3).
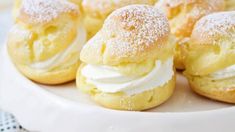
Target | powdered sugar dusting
(41,11)
(217,24)
(135,28)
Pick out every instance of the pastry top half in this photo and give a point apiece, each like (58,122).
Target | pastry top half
(18,5)
(43,12)
(102,8)
(211,47)
(43,29)
(132,34)
(183,14)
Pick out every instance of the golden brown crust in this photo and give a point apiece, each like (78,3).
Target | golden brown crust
(39,41)
(121,101)
(183,14)
(219,95)
(130,34)
(211,44)
(179,56)
(221,90)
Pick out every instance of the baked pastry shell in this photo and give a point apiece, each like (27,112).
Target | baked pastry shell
(220,90)
(121,101)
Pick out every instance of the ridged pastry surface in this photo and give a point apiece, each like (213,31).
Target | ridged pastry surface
(210,57)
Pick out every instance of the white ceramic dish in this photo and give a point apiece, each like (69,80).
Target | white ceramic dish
(65,109)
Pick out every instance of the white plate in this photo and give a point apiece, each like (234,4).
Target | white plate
(65,109)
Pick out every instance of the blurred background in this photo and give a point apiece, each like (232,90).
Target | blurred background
(5,19)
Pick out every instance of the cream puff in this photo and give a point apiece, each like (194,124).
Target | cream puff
(230,5)
(182,15)
(128,64)
(46,40)
(210,61)
(96,11)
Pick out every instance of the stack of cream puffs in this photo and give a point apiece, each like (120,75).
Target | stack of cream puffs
(210,61)
(96,11)
(46,40)
(182,15)
(128,64)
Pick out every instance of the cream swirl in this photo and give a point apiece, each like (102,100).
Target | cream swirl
(108,79)
(56,60)
(224,73)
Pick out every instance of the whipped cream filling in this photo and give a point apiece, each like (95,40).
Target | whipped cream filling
(224,73)
(56,60)
(108,79)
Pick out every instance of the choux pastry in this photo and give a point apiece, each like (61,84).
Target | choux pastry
(128,64)
(46,40)
(182,15)
(210,61)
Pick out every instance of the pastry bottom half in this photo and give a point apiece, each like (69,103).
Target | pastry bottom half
(220,90)
(122,101)
(55,76)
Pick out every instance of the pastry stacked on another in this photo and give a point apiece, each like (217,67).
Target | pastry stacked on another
(230,5)
(46,39)
(96,11)
(182,15)
(128,64)
(210,61)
